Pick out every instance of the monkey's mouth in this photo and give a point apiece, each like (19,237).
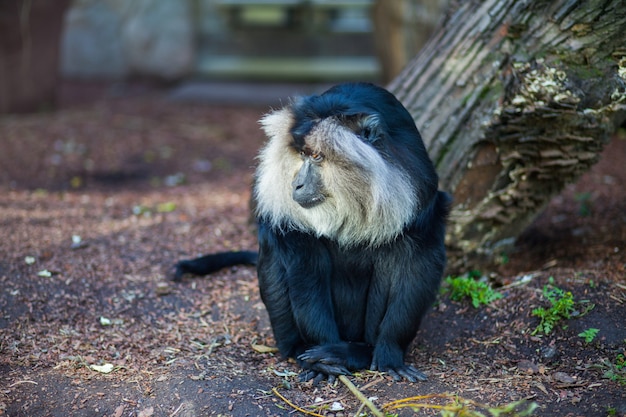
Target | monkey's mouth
(311,202)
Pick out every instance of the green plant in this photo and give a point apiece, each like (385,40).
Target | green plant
(562,307)
(584,201)
(616,370)
(503,259)
(461,287)
(589,334)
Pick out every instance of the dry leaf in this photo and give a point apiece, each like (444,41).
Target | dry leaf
(264,349)
(104,369)
(146,412)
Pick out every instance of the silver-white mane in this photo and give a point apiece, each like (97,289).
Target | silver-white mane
(369,200)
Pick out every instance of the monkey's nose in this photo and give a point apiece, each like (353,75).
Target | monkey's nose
(306,195)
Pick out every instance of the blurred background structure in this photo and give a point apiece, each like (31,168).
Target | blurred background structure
(299,41)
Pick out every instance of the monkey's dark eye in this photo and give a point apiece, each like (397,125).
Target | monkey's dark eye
(317,156)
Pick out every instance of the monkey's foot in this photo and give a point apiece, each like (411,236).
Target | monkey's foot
(318,366)
(317,377)
(407,372)
(343,354)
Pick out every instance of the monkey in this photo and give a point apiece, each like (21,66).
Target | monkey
(351,227)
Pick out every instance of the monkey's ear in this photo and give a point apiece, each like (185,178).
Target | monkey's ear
(370,128)
(277,123)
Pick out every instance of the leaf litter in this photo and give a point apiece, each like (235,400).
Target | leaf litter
(205,345)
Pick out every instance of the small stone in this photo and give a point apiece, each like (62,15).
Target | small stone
(548,353)
(563,378)
(527,366)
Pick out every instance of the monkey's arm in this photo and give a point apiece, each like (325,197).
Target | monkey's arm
(412,287)
(411,271)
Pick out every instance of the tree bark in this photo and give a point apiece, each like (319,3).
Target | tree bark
(515,99)
(30,32)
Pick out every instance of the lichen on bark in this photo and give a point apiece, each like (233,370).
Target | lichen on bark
(542,141)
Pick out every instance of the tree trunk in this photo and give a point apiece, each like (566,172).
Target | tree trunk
(402,28)
(30,32)
(514,100)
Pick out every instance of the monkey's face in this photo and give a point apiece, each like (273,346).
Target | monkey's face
(307,186)
(328,176)
(332,152)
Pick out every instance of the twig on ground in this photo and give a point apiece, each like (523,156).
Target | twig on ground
(292,405)
(360,396)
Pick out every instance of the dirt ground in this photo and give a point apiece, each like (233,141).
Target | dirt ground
(100,199)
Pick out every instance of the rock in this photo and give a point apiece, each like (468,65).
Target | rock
(563,378)
(527,366)
(549,354)
(90,45)
(115,38)
(157,38)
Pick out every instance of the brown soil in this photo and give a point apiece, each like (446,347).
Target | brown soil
(145,181)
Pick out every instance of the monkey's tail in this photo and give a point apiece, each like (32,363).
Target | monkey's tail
(207,264)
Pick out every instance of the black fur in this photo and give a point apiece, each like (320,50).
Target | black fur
(335,307)
(213,262)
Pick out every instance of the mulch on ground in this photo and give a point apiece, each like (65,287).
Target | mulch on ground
(100,199)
